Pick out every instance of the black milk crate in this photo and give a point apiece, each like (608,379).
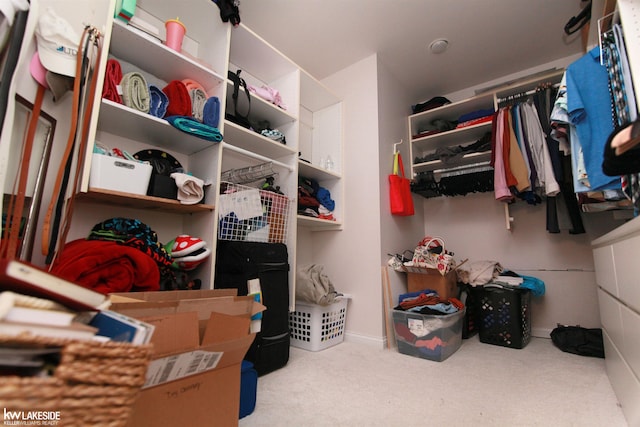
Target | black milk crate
(504,315)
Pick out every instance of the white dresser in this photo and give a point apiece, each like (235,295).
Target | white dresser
(617,263)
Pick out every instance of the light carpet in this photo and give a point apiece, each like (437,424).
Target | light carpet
(352,384)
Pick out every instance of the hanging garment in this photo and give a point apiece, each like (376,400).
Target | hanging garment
(501,188)
(589,107)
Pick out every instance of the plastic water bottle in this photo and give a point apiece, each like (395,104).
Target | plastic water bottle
(329,165)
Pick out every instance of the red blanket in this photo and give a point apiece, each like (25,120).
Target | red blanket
(107,267)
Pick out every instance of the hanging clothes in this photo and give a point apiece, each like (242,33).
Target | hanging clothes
(589,106)
(622,98)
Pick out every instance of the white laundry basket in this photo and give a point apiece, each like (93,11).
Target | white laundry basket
(316,327)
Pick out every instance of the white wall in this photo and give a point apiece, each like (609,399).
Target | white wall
(474,227)
(375,117)
(397,232)
(351,256)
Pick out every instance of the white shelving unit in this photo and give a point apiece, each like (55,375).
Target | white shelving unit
(310,117)
(202,59)
(420,146)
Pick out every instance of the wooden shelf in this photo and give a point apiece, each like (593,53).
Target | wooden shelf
(308,170)
(150,55)
(252,141)
(118,119)
(318,224)
(99,195)
(453,137)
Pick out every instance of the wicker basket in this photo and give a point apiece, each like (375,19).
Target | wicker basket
(95,383)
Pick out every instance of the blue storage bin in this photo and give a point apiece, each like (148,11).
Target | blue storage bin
(248,388)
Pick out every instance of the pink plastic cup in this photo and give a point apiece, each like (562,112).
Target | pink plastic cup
(175,34)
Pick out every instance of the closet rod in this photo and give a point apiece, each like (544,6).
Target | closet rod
(520,94)
(255,156)
(463,170)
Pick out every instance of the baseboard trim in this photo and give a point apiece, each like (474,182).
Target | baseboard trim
(541,333)
(364,339)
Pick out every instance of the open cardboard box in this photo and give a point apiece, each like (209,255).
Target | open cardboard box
(419,278)
(200,340)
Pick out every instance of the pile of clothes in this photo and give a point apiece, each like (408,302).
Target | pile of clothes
(314,200)
(124,255)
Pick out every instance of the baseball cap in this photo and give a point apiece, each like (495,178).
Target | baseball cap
(57,43)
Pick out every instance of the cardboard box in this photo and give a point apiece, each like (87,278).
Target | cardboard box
(200,340)
(430,278)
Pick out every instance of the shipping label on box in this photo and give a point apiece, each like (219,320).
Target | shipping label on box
(174,367)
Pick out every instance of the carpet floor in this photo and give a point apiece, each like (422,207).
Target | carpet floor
(351,384)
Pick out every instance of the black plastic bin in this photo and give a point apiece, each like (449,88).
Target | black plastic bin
(504,316)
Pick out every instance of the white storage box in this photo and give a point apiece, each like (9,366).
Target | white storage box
(114,173)
(316,327)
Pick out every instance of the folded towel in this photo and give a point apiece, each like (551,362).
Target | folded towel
(211,112)
(179,99)
(135,91)
(190,188)
(194,127)
(112,78)
(159,101)
(198,99)
(192,84)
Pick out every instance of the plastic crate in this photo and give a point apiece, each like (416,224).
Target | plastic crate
(505,316)
(316,327)
(428,336)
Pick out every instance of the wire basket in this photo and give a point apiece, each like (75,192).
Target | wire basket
(94,384)
(316,327)
(251,214)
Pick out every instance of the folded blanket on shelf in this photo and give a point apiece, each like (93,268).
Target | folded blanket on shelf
(190,188)
(211,112)
(192,126)
(106,266)
(179,99)
(112,78)
(135,91)
(198,99)
(158,103)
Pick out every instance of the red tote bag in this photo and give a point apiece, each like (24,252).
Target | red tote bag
(400,189)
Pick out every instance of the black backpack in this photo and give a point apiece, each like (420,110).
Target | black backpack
(579,340)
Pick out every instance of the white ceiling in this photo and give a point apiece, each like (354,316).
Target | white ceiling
(488,39)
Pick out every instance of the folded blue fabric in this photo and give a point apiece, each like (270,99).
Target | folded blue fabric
(211,112)
(192,126)
(159,101)
(324,197)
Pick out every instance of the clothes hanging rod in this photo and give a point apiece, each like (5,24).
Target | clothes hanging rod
(463,170)
(521,94)
(255,156)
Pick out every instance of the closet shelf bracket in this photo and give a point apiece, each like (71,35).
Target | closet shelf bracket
(508,219)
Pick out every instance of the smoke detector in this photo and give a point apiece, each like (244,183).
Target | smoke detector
(439,45)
